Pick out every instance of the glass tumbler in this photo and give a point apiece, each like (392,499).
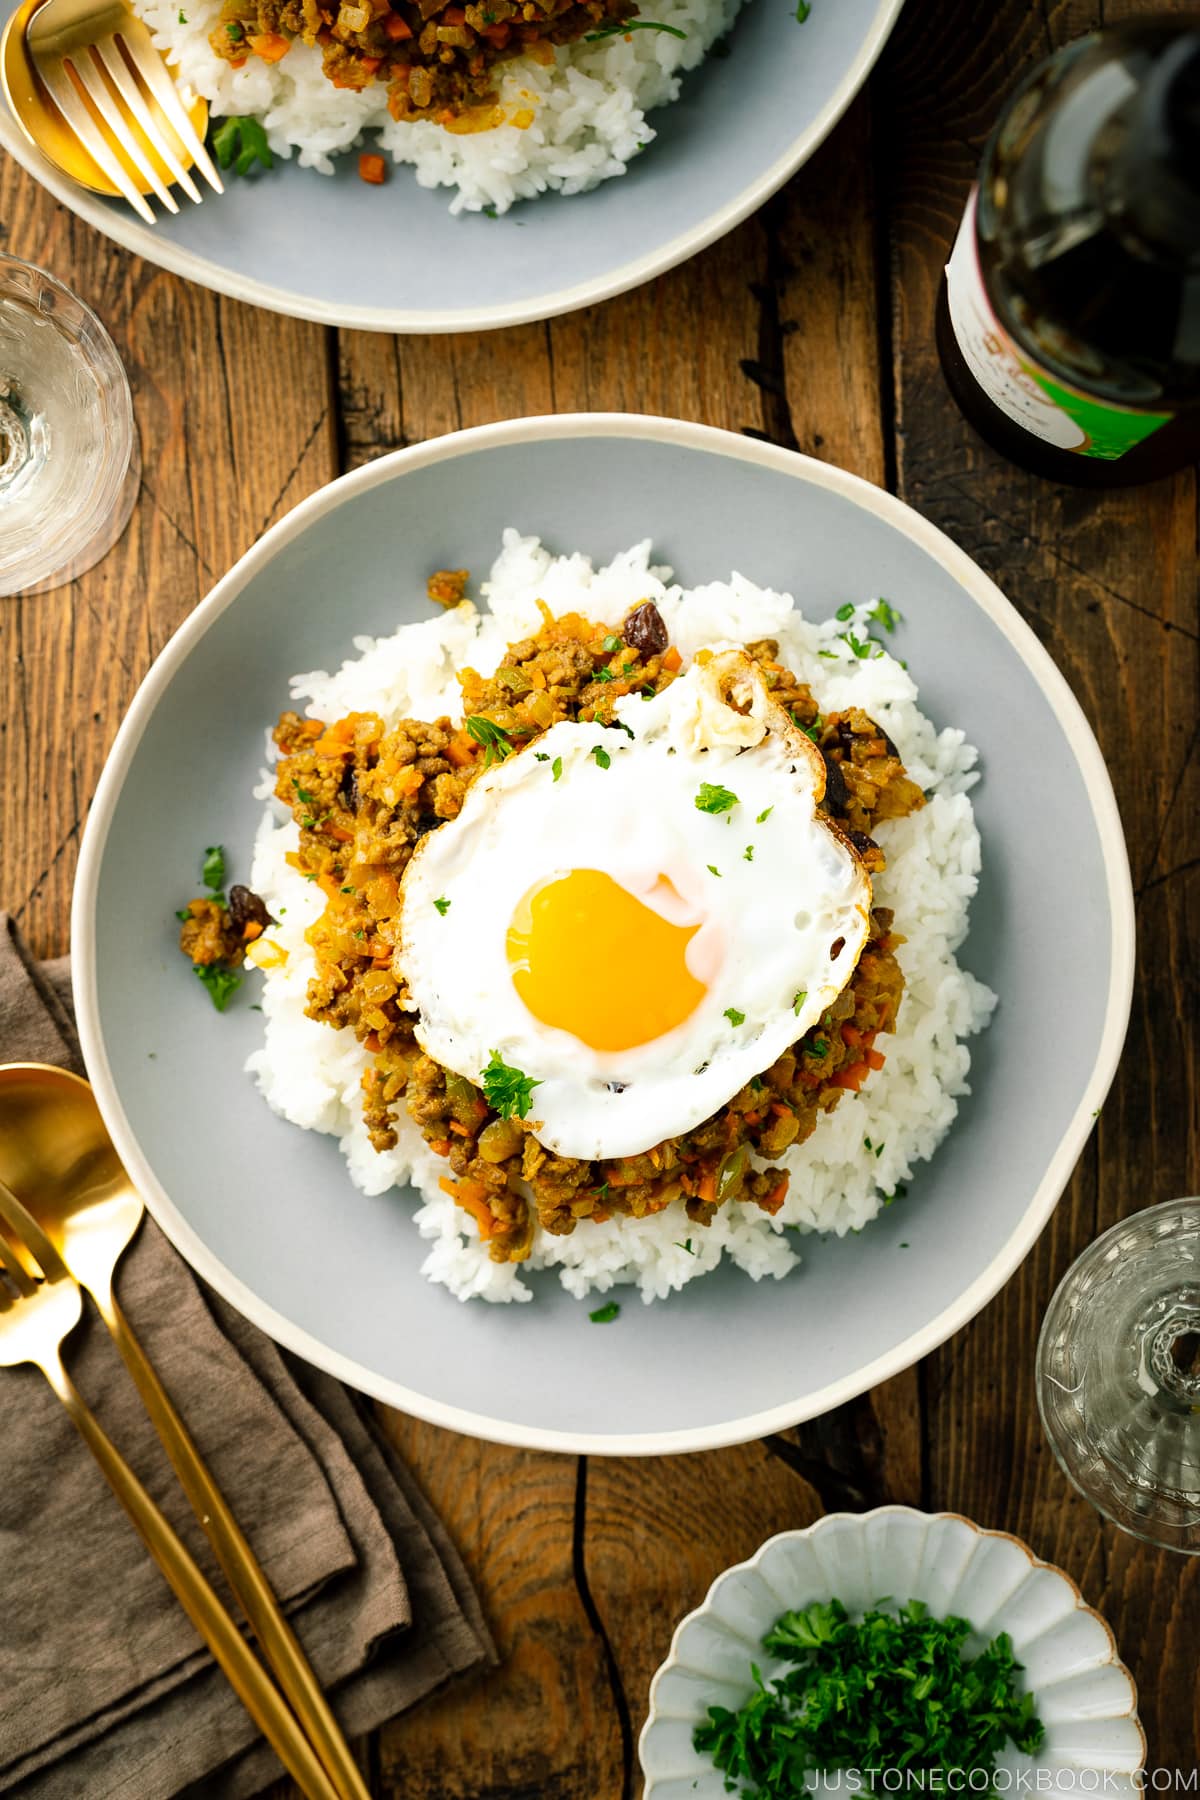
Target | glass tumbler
(1118,1374)
(69,463)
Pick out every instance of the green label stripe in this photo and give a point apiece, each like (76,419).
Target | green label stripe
(1111,430)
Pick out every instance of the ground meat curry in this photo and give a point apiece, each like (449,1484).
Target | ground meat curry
(437,60)
(364,794)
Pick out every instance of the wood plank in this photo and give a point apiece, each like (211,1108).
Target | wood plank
(1108,581)
(227,445)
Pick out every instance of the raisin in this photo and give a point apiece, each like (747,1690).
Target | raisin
(245,907)
(645,631)
(836,797)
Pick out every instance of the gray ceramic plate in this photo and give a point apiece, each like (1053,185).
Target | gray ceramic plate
(266,1212)
(394,259)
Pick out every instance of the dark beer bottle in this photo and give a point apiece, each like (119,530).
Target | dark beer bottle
(1069,318)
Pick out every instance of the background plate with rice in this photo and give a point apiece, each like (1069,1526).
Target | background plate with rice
(338,251)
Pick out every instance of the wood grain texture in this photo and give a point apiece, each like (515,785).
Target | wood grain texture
(1110,586)
(811,326)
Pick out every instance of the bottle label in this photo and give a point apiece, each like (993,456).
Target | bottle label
(1023,389)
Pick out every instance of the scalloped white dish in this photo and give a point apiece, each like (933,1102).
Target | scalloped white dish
(1084,1694)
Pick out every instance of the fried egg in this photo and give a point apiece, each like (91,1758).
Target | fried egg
(638,918)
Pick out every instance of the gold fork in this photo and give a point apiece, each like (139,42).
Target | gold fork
(88,88)
(39,1306)
(83,1210)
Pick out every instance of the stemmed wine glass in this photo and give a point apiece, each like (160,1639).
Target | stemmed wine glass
(1118,1374)
(69,463)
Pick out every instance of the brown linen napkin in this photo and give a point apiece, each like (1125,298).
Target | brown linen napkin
(105,1690)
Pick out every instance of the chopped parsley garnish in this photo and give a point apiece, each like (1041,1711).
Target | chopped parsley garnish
(507,1091)
(620,725)
(607,31)
(495,740)
(799,1000)
(886,614)
(862,647)
(894,1692)
(734,1016)
(240,143)
(489,212)
(713,870)
(603,675)
(184,914)
(802,11)
(556,767)
(212,869)
(302,794)
(540,756)
(220,981)
(812,731)
(845,612)
(602,1191)
(764,815)
(603,759)
(443,906)
(349,890)
(712,799)
(748,853)
(819,1047)
(611,643)
(604,1315)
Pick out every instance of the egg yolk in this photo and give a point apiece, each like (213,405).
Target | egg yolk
(591,958)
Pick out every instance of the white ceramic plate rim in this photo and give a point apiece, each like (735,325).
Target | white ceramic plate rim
(125,229)
(862,1519)
(713,442)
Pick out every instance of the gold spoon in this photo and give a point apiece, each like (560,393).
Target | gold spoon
(58,1161)
(88,89)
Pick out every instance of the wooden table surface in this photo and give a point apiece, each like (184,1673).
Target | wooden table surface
(811,326)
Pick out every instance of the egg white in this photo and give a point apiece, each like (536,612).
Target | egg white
(769,921)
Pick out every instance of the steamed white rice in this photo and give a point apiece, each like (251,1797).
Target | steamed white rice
(589,107)
(861,1152)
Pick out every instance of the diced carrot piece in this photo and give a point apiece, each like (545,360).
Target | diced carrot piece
(270,45)
(672,660)
(396,27)
(440,1146)
(852,1035)
(753,1118)
(250,930)
(707,1187)
(601,1216)
(498,34)
(472,1196)
(372,1043)
(876,1058)
(341,834)
(461,750)
(410,779)
(772,1202)
(370,65)
(459,1130)
(372,168)
(853,1077)
(454,15)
